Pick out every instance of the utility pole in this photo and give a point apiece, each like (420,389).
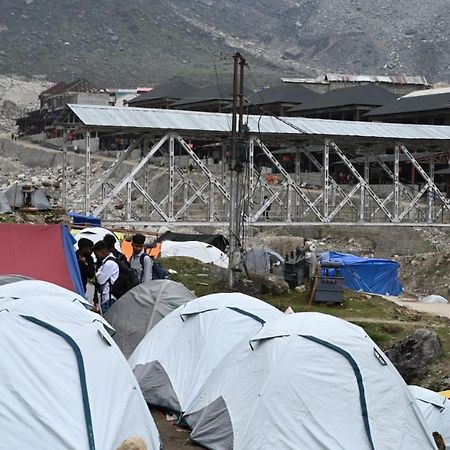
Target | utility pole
(236,161)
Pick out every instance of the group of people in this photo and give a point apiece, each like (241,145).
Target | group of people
(108,266)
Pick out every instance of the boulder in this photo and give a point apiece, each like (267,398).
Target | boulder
(273,284)
(413,355)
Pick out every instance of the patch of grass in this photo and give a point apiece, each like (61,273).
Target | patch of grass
(202,279)
(384,321)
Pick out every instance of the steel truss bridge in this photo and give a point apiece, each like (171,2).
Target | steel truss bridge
(161,187)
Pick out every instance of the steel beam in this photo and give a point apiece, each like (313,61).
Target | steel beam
(425,176)
(87,174)
(204,169)
(140,224)
(319,166)
(326,179)
(358,176)
(431,192)
(64,173)
(396,183)
(120,158)
(171,199)
(131,176)
(128,203)
(281,169)
(269,202)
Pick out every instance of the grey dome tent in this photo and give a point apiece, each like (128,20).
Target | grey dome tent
(16,197)
(8,279)
(175,358)
(5,207)
(259,260)
(307,381)
(64,383)
(141,308)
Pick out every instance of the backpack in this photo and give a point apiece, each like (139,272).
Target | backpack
(158,272)
(128,279)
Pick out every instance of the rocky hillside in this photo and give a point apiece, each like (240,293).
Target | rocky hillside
(141,42)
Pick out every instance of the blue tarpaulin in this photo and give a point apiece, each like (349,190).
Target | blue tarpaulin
(376,276)
(86,221)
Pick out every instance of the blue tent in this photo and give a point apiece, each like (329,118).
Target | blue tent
(376,276)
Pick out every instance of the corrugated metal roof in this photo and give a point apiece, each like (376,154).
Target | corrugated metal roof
(362,94)
(97,116)
(349,78)
(391,79)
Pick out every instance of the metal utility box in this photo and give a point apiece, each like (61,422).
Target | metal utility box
(294,272)
(330,284)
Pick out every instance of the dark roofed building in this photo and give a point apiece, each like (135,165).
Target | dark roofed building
(162,96)
(54,99)
(398,84)
(279,99)
(209,99)
(346,103)
(52,90)
(425,107)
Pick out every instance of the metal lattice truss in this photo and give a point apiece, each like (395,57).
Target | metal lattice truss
(170,183)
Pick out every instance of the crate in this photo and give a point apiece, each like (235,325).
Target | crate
(330,284)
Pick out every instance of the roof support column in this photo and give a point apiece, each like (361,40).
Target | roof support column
(185,198)
(298,179)
(146,181)
(104,213)
(363,200)
(251,171)
(430,184)
(64,172)
(326,179)
(431,192)
(223,174)
(289,204)
(87,173)
(396,182)
(211,195)
(171,176)
(128,210)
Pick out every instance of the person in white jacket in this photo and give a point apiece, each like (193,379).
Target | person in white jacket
(107,273)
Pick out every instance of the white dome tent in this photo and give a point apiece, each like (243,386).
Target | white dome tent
(201,251)
(96,234)
(141,308)
(307,381)
(63,381)
(435,409)
(174,359)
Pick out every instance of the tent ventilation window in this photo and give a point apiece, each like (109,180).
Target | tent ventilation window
(381,360)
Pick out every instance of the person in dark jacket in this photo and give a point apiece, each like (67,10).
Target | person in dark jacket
(110,242)
(85,260)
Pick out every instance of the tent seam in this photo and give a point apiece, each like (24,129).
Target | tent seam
(81,372)
(359,380)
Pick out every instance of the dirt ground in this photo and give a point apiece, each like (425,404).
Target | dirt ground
(172,436)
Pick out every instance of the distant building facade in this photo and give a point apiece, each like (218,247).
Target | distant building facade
(52,102)
(431,107)
(398,84)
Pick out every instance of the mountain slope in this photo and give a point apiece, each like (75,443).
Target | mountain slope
(142,42)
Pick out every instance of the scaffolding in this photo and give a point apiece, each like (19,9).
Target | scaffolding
(170,184)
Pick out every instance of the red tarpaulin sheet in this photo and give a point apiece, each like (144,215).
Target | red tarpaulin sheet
(42,252)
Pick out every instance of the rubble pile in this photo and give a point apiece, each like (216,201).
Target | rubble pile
(425,274)
(18,95)
(358,245)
